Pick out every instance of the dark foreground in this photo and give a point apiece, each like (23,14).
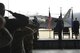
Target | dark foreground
(56,44)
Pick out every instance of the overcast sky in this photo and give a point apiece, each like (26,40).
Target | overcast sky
(41,7)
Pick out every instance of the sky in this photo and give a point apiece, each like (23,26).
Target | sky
(41,7)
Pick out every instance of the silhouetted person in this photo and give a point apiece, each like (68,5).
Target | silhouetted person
(76,27)
(20,34)
(28,38)
(5,36)
(36,24)
(22,40)
(59,27)
(19,21)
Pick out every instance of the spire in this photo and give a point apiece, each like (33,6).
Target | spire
(72,21)
(49,23)
(72,12)
(49,19)
(49,13)
(60,12)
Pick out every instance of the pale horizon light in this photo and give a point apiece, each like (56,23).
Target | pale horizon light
(32,7)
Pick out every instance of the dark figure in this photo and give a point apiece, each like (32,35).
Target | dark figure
(76,27)
(20,33)
(5,36)
(19,21)
(59,27)
(28,38)
(22,41)
(36,24)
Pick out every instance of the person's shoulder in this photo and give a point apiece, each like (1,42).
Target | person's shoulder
(76,21)
(18,14)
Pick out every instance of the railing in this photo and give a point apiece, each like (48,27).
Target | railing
(44,34)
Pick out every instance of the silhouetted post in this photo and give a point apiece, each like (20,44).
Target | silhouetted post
(72,23)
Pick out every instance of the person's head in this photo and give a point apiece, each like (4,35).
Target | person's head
(75,19)
(60,18)
(35,17)
(2,9)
